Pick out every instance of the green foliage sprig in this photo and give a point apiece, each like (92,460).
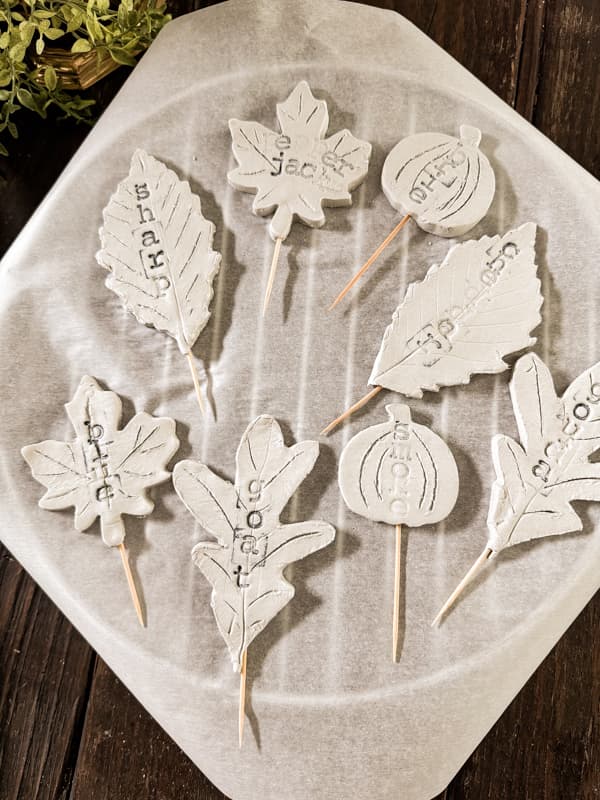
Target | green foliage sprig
(120,29)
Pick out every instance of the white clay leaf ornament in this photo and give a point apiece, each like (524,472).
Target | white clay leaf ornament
(446,185)
(400,473)
(537,480)
(246,562)
(469,312)
(478,306)
(157,247)
(297,171)
(104,472)
(245,565)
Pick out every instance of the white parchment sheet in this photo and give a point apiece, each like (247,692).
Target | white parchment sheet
(330,716)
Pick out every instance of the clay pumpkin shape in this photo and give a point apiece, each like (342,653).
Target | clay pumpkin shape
(400,473)
(445,184)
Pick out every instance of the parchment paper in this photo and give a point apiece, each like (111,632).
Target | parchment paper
(331,716)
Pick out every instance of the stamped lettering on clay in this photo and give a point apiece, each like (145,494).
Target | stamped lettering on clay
(245,565)
(297,171)
(104,472)
(478,306)
(399,472)
(446,184)
(157,247)
(537,480)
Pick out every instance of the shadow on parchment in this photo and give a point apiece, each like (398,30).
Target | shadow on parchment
(520,551)
(303,238)
(301,606)
(304,602)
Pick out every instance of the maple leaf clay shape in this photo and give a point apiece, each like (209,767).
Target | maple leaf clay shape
(104,472)
(245,565)
(297,171)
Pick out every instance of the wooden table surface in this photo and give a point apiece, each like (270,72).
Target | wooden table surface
(69,730)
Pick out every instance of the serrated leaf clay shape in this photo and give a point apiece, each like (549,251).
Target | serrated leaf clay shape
(158,249)
(104,472)
(537,480)
(297,171)
(245,565)
(478,306)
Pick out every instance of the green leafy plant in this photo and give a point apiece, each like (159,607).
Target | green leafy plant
(117,30)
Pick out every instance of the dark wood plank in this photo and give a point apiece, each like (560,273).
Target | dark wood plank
(44,682)
(528,73)
(38,156)
(125,754)
(568,104)
(486,37)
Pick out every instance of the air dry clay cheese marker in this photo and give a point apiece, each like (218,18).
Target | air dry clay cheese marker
(537,480)
(296,172)
(104,472)
(245,565)
(469,312)
(399,473)
(445,185)
(157,247)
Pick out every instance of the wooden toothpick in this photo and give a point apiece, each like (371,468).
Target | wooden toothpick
(131,583)
(369,261)
(363,401)
(469,577)
(398,566)
(400,473)
(196,380)
(242,709)
(272,272)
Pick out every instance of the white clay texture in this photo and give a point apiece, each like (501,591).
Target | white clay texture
(245,565)
(104,472)
(157,247)
(297,171)
(537,480)
(399,472)
(446,184)
(469,312)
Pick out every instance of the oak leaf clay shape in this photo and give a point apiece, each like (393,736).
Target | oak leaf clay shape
(157,247)
(537,480)
(245,565)
(297,171)
(104,472)
(478,306)
(445,184)
(399,472)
